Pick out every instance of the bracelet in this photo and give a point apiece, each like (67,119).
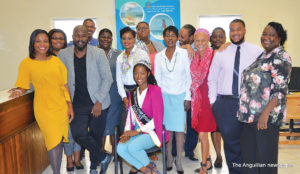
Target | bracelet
(139,130)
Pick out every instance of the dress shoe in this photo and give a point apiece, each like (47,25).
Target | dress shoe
(180,172)
(192,158)
(105,163)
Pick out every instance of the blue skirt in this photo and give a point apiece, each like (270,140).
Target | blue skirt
(174,113)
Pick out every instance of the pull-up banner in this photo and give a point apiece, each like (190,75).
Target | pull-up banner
(159,14)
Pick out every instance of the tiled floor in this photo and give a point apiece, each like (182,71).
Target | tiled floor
(289,159)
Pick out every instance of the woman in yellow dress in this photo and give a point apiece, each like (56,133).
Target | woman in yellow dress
(52,104)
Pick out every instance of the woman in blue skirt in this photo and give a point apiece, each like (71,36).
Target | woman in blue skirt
(172,72)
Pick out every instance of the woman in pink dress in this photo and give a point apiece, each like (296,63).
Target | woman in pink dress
(203,120)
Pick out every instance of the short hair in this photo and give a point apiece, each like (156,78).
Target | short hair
(215,29)
(219,28)
(281,32)
(32,41)
(105,30)
(51,32)
(127,30)
(170,28)
(88,19)
(142,22)
(80,27)
(238,21)
(190,28)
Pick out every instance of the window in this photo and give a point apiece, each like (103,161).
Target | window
(68,24)
(211,22)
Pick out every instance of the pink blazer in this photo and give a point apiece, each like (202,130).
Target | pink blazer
(153,106)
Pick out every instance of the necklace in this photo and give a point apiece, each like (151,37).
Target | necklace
(172,69)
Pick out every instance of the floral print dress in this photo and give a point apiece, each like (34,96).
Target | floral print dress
(265,79)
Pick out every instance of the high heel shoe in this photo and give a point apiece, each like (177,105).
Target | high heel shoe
(169,168)
(218,163)
(202,167)
(178,171)
(70,169)
(78,167)
(211,165)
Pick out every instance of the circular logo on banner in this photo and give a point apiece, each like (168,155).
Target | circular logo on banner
(131,14)
(158,23)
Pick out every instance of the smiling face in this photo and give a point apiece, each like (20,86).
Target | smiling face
(201,41)
(237,32)
(143,31)
(128,40)
(90,26)
(58,41)
(41,45)
(140,76)
(184,37)
(170,39)
(269,39)
(217,39)
(80,39)
(105,40)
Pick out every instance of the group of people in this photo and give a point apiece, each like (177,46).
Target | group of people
(235,90)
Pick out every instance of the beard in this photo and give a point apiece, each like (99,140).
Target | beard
(238,42)
(80,48)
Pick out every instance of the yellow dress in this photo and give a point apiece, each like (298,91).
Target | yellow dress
(50,96)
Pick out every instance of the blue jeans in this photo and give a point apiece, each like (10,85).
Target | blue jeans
(133,151)
(72,146)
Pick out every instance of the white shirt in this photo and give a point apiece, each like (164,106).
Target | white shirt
(220,75)
(173,76)
(126,78)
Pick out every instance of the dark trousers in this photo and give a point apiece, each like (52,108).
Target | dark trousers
(225,112)
(259,148)
(191,138)
(88,131)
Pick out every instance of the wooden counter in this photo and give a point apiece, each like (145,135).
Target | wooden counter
(293,113)
(22,147)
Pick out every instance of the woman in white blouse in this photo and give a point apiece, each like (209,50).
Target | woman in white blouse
(124,66)
(172,72)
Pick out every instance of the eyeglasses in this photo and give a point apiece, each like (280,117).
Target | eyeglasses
(58,38)
(142,28)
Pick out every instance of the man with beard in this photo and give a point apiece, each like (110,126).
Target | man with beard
(224,84)
(89,79)
(90,26)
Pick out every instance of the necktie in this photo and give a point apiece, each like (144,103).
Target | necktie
(235,80)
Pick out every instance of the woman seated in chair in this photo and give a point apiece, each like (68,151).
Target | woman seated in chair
(144,122)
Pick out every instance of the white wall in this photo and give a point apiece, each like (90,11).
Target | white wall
(20,17)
